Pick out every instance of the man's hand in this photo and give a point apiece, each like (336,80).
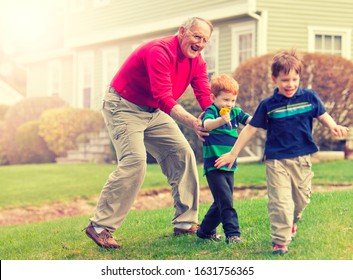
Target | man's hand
(199,129)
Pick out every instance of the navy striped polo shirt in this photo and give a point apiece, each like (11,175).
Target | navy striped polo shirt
(289,123)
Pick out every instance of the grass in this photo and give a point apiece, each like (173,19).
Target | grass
(325,233)
(33,185)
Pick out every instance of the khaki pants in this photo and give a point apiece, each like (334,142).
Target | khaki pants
(134,129)
(289,189)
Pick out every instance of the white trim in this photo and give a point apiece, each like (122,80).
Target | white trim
(232,10)
(237,30)
(106,76)
(346,34)
(215,38)
(53,67)
(82,58)
(262,30)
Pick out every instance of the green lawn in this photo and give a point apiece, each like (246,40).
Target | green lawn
(26,185)
(324,233)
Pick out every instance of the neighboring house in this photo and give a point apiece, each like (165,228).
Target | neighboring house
(8,95)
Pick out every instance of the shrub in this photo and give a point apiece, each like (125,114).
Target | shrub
(60,128)
(31,147)
(3,157)
(26,110)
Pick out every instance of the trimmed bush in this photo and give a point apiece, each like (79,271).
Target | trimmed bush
(3,157)
(24,111)
(60,128)
(31,147)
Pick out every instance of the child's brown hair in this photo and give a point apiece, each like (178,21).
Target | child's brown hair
(224,83)
(286,60)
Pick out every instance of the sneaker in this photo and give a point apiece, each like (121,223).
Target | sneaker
(294,231)
(103,239)
(233,239)
(279,249)
(213,237)
(192,230)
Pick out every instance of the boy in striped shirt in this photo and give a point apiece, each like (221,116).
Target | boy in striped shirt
(222,129)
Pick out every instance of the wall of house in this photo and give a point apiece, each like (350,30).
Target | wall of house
(126,14)
(288,20)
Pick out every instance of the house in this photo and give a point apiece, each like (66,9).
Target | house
(100,34)
(8,95)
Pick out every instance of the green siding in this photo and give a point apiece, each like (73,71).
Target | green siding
(288,20)
(128,13)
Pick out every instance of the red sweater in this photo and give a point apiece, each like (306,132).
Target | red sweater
(157,73)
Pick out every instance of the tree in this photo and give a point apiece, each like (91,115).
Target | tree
(331,76)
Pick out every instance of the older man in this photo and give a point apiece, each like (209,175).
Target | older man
(140,110)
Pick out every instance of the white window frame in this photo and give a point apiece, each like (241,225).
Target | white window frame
(345,33)
(55,78)
(214,43)
(85,62)
(237,30)
(107,62)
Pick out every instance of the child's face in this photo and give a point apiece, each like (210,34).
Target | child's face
(224,100)
(287,84)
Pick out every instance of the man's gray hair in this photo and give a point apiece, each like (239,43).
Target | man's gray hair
(194,21)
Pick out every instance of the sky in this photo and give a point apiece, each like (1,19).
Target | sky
(27,25)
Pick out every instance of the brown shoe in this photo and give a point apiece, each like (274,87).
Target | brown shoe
(192,230)
(103,239)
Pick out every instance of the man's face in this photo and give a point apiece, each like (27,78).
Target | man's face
(193,40)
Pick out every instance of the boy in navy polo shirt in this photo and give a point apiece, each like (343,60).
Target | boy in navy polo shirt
(221,119)
(287,116)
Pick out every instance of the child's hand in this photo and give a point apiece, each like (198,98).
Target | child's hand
(227,158)
(226,118)
(225,115)
(339,131)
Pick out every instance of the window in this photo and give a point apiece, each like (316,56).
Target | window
(210,53)
(243,43)
(85,79)
(54,78)
(330,41)
(110,65)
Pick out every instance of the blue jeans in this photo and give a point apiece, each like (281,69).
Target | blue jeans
(221,184)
